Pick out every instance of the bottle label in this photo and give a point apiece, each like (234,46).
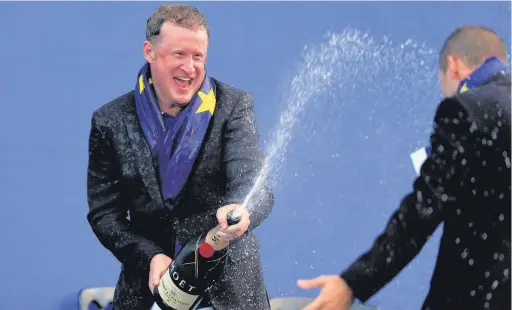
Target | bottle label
(175,292)
(213,239)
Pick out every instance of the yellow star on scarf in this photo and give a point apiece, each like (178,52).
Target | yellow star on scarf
(463,89)
(208,102)
(141,84)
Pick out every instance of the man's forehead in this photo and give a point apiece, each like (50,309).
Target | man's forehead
(181,36)
(171,28)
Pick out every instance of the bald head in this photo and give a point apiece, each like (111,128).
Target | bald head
(466,49)
(473,45)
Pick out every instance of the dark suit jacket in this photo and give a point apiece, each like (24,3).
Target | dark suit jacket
(122,179)
(465,183)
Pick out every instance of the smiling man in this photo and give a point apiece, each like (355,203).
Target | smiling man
(177,153)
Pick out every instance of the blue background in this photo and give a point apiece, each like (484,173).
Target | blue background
(345,169)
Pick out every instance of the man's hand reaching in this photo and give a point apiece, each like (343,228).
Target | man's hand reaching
(334,295)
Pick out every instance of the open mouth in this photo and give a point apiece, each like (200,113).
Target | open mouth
(182,82)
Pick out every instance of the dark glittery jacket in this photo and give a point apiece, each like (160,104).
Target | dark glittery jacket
(122,179)
(464,183)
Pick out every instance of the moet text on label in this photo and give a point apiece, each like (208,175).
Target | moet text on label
(176,277)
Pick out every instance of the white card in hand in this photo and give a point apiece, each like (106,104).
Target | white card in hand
(418,157)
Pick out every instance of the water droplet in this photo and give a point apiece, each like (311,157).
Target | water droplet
(464,254)
(494,284)
(494,134)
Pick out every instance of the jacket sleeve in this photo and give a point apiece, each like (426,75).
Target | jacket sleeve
(107,213)
(244,160)
(440,181)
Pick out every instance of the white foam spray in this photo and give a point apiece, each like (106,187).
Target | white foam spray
(346,62)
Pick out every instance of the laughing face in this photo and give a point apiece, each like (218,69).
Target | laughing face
(177,59)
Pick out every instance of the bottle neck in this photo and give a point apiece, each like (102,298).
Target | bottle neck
(214,240)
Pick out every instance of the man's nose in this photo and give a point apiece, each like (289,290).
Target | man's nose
(188,66)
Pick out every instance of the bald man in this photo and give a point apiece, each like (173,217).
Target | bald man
(464,183)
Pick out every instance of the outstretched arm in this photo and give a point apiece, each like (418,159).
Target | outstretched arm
(244,161)
(440,182)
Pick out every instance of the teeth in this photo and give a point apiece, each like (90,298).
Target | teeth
(183,79)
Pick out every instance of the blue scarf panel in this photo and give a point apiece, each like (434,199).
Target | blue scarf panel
(174,144)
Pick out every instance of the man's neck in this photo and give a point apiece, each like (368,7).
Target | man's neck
(172,109)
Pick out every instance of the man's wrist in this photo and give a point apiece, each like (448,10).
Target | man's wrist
(349,285)
(153,254)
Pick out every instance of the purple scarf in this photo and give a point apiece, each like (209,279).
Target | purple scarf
(174,144)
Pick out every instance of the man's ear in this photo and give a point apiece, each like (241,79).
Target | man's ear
(453,67)
(148,51)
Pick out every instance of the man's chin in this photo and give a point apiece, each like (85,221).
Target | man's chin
(183,100)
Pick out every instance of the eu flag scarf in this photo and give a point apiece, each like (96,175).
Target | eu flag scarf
(491,67)
(174,144)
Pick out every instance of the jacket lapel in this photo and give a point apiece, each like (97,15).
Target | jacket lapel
(142,158)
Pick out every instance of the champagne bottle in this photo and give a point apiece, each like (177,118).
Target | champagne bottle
(194,270)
